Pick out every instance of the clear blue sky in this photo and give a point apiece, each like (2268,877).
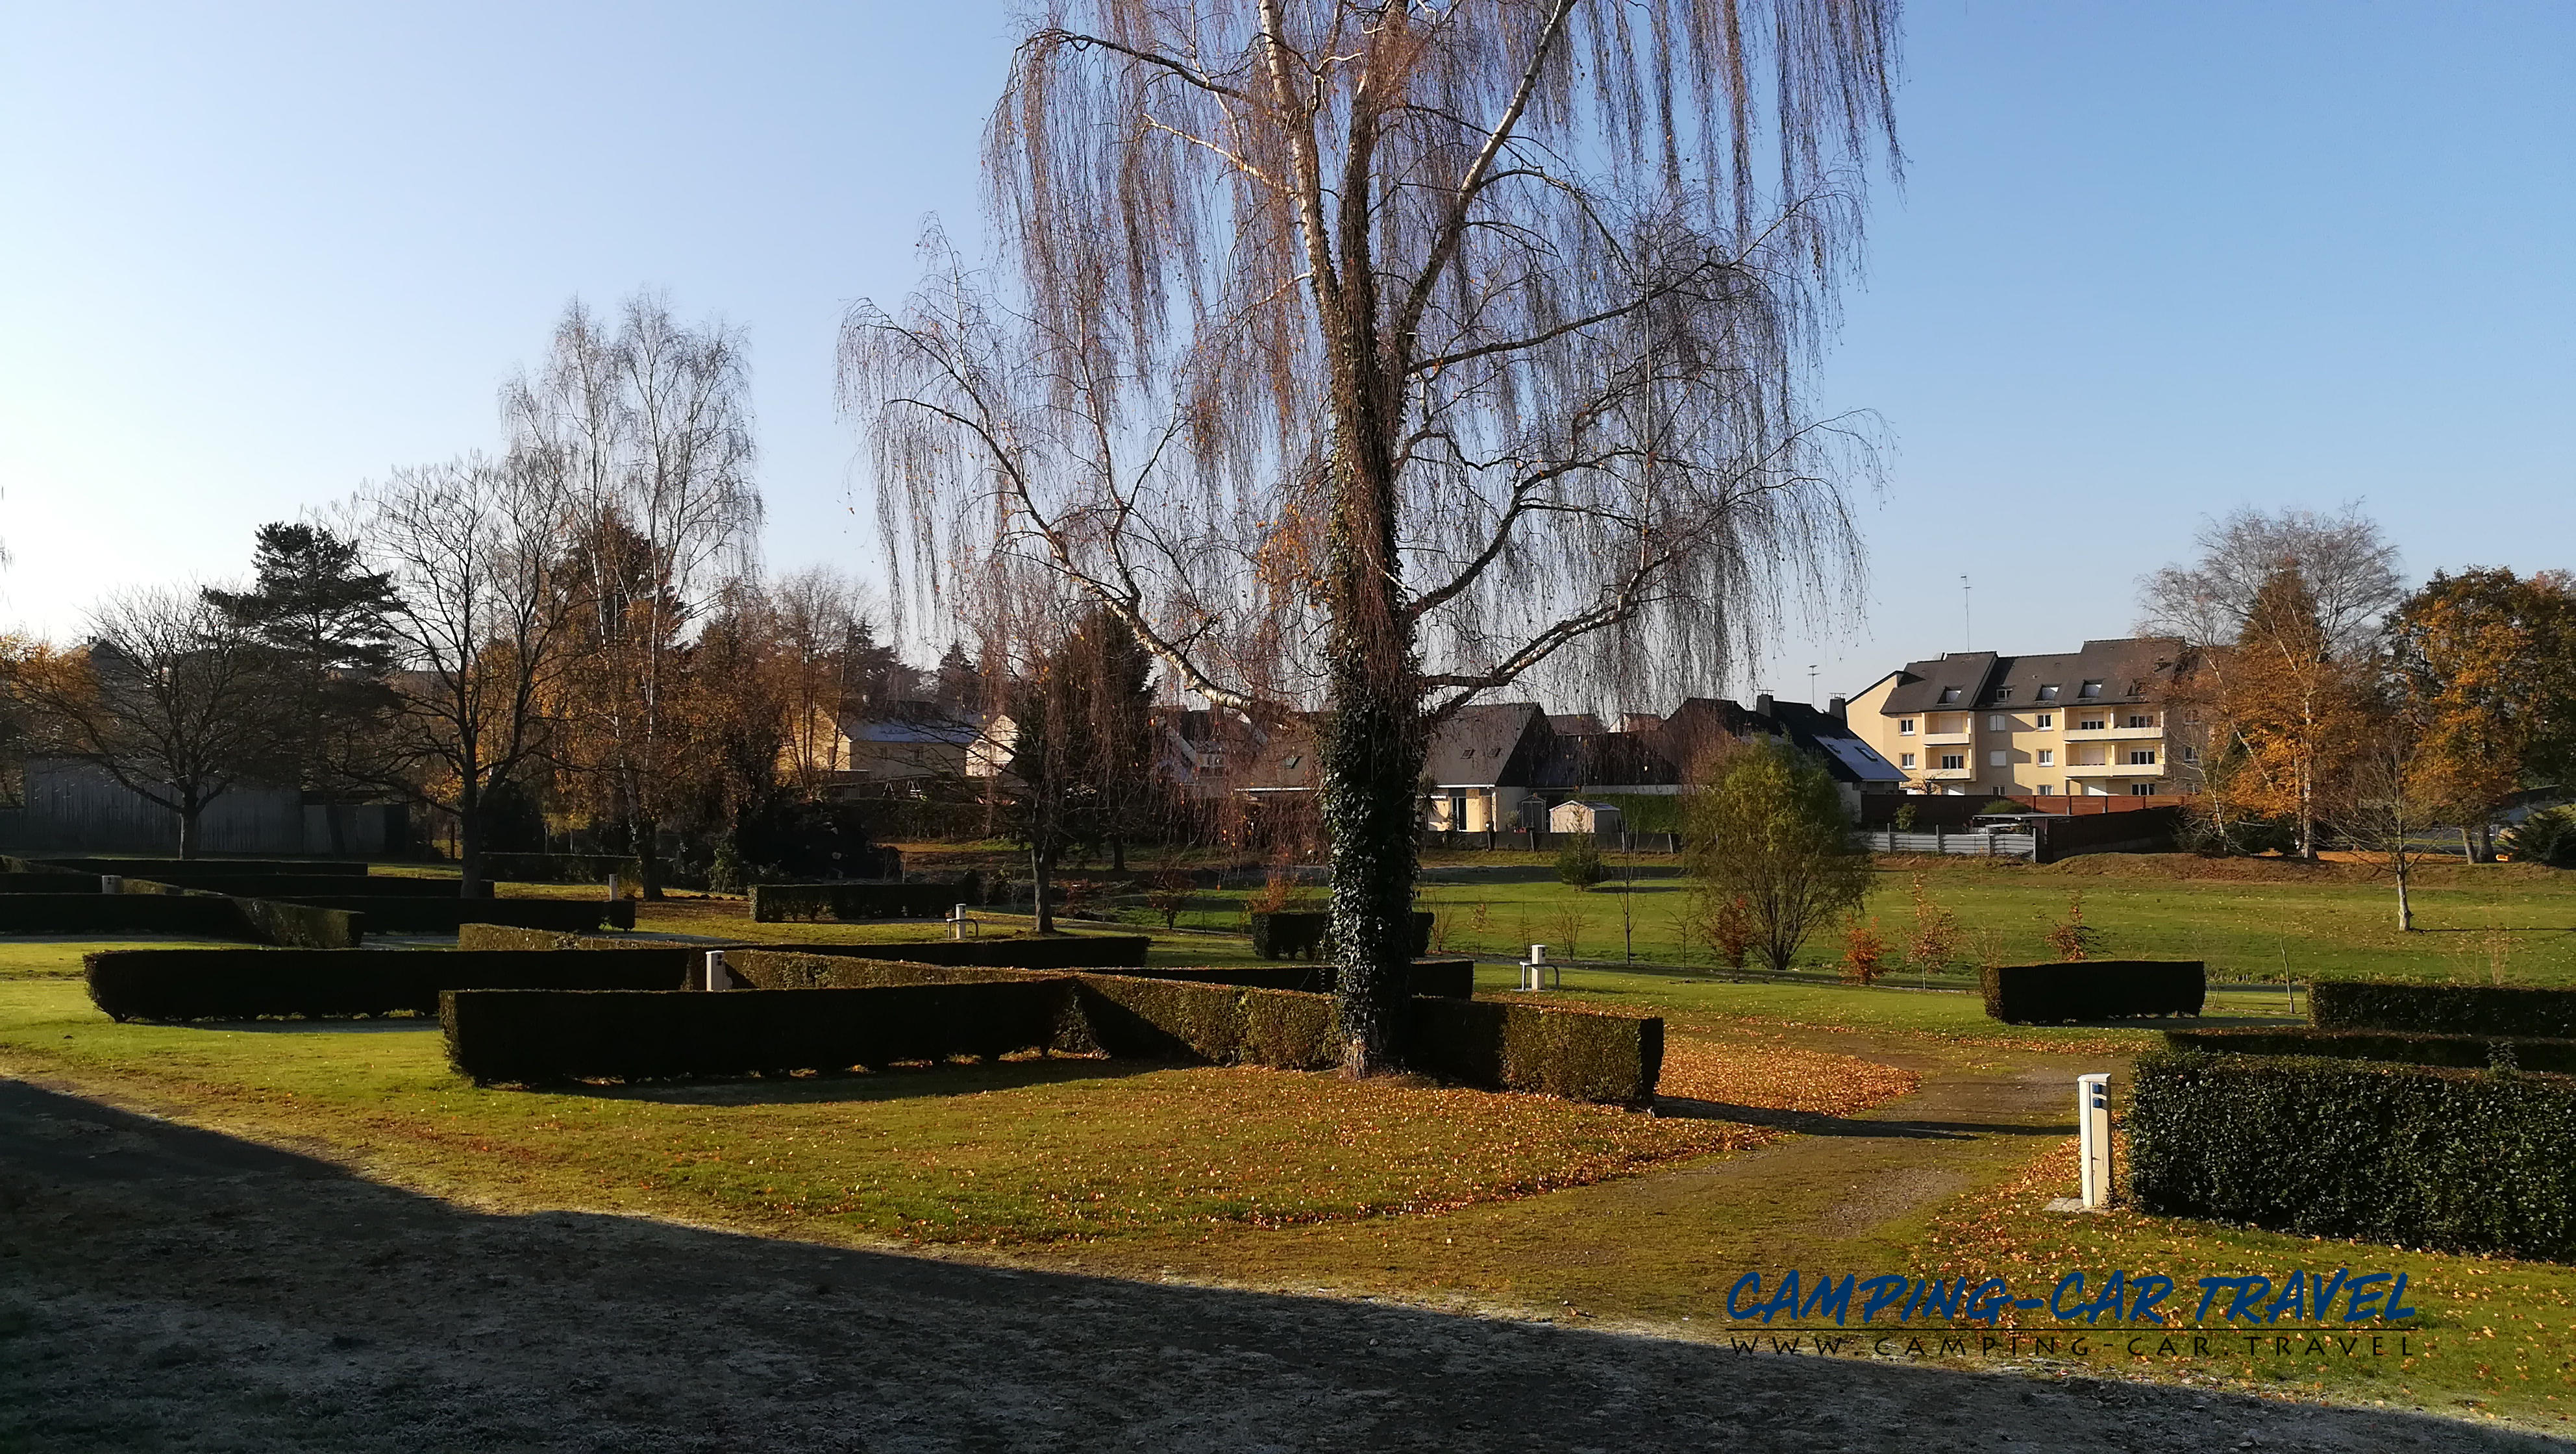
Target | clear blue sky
(2153,262)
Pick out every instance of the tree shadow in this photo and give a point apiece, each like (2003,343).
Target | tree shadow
(896,1082)
(177,1286)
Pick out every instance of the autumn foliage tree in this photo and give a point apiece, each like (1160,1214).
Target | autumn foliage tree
(2484,663)
(1368,357)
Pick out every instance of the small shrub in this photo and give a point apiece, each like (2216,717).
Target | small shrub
(1578,863)
(1907,815)
(1934,943)
(1167,894)
(1731,931)
(1864,951)
(2001,805)
(2074,940)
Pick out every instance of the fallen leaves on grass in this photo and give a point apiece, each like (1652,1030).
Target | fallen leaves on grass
(1779,1077)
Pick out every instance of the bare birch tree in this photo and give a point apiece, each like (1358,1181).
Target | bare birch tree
(1373,356)
(647,428)
(473,550)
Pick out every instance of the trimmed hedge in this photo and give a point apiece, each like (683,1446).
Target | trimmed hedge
(49,883)
(785,903)
(2359,1004)
(1068,951)
(242,984)
(1582,1055)
(538,1035)
(2471,1052)
(2094,989)
(210,916)
(1579,1054)
(161,869)
(2413,1156)
(1282,934)
(561,868)
(1454,978)
(305,885)
(449,915)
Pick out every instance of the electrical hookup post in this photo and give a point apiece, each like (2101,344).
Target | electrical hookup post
(2093,1146)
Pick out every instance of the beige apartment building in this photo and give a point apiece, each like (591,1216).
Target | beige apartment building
(2092,723)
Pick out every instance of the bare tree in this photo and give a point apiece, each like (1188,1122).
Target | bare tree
(2348,569)
(2390,796)
(172,697)
(1374,356)
(647,430)
(817,612)
(473,549)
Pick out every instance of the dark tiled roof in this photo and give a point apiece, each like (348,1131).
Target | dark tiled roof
(2130,669)
(1604,760)
(1955,681)
(1493,744)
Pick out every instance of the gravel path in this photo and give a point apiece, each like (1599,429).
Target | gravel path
(163,1288)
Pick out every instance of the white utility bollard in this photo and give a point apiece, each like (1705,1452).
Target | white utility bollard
(959,923)
(2093,1123)
(717,977)
(616,888)
(1534,968)
(111,883)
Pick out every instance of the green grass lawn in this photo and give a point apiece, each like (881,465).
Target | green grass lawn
(2490,923)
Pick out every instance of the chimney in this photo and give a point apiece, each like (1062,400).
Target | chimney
(1838,709)
(1762,705)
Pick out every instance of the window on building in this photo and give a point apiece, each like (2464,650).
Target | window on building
(2048,757)
(1997,759)
(1953,761)
(1294,758)
(2043,791)
(2089,689)
(1905,759)
(1904,726)
(1949,695)
(2091,724)
(2191,716)
(2047,720)
(1998,722)
(2048,691)
(2139,719)
(2003,694)
(2191,754)
(2138,688)
(2143,757)
(1469,753)
(2143,790)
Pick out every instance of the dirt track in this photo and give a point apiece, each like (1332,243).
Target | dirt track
(168,1288)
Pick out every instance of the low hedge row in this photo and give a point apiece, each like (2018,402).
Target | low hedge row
(49,883)
(450,915)
(1286,934)
(2415,1156)
(305,885)
(1580,1054)
(2357,1004)
(2094,989)
(243,984)
(2470,1052)
(163,868)
(561,868)
(1452,978)
(796,903)
(207,916)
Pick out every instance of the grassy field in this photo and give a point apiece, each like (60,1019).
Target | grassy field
(2247,919)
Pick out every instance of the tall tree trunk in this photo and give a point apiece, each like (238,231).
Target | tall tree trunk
(189,808)
(2405,910)
(469,843)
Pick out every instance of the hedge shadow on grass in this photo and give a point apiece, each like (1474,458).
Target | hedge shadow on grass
(896,1083)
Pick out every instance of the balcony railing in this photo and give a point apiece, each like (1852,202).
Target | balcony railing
(1949,739)
(1945,774)
(2115,769)
(2110,734)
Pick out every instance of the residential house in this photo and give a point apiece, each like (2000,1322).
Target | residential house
(2096,722)
(903,748)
